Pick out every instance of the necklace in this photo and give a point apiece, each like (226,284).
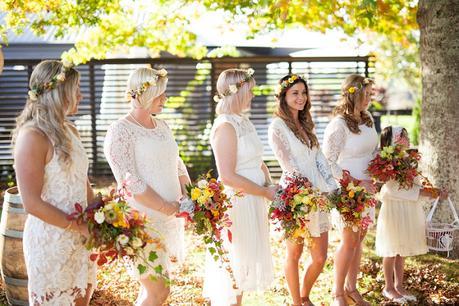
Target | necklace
(140,124)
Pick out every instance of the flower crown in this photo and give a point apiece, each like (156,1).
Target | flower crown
(288,83)
(37,90)
(233,88)
(359,86)
(135,93)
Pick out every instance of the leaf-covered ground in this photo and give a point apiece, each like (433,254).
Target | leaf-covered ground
(432,278)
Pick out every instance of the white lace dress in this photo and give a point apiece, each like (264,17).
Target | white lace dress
(143,157)
(348,151)
(296,157)
(401,222)
(58,264)
(249,252)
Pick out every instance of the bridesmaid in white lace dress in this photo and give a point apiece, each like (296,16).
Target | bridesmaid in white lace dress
(292,138)
(143,154)
(238,154)
(350,142)
(51,168)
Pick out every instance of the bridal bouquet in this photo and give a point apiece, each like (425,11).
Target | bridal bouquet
(292,204)
(352,200)
(395,163)
(206,208)
(118,231)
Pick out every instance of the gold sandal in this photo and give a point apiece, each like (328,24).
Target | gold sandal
(351,298)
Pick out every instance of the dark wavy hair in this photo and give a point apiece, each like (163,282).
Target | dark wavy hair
(304,116)
(386,136)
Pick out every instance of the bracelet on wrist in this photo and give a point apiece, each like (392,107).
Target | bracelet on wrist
(69,226)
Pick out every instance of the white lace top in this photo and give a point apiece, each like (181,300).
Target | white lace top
(348,151)
(296,157)
(139,157)
(57,261)
(142,157)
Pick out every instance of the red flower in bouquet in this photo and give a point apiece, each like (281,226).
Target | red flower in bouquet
(351,201)
(395,163)
(206,209)
(118,231)
(292,204)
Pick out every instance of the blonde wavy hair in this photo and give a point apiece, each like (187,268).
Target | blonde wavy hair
(48,113)
(350,99)
(141,75)
(239,101)
(304,116)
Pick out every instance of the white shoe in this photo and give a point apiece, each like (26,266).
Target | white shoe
(400,300)
(410,298)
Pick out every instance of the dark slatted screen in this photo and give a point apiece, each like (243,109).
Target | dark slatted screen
(190,110)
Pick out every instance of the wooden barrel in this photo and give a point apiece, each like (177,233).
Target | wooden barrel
(13,268)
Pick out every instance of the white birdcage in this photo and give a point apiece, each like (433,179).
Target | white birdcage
(440,235)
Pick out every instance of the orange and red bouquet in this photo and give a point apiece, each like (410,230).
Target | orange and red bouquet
(293,204)
(116,231)
(395,163)
(352,202)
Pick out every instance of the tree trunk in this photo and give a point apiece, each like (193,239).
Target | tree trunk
(439,48)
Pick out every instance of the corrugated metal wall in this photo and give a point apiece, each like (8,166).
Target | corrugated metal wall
(190,110)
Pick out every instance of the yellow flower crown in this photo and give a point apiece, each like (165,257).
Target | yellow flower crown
(359,86)
(135,93)
(233,88)
(37,90)
(288,83)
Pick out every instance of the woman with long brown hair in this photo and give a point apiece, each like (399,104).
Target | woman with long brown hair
(292,138)
(350,141)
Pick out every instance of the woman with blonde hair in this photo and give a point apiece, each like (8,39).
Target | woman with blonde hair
(350,142)
(51,170)
(238,153)
(296,147)
(144,157)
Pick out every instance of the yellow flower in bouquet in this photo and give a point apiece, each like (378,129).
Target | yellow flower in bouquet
(299,232)
(308,201)
(195,193)
(351,194)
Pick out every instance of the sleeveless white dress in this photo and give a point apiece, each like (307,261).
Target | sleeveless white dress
(401,222)
(249,252)
(296,157)
(348,151)
(142,157)
(58,264)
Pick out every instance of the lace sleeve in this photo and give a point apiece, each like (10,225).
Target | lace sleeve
(278,142)
(119,151)
(325,171)
(334,141)
(182,171)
